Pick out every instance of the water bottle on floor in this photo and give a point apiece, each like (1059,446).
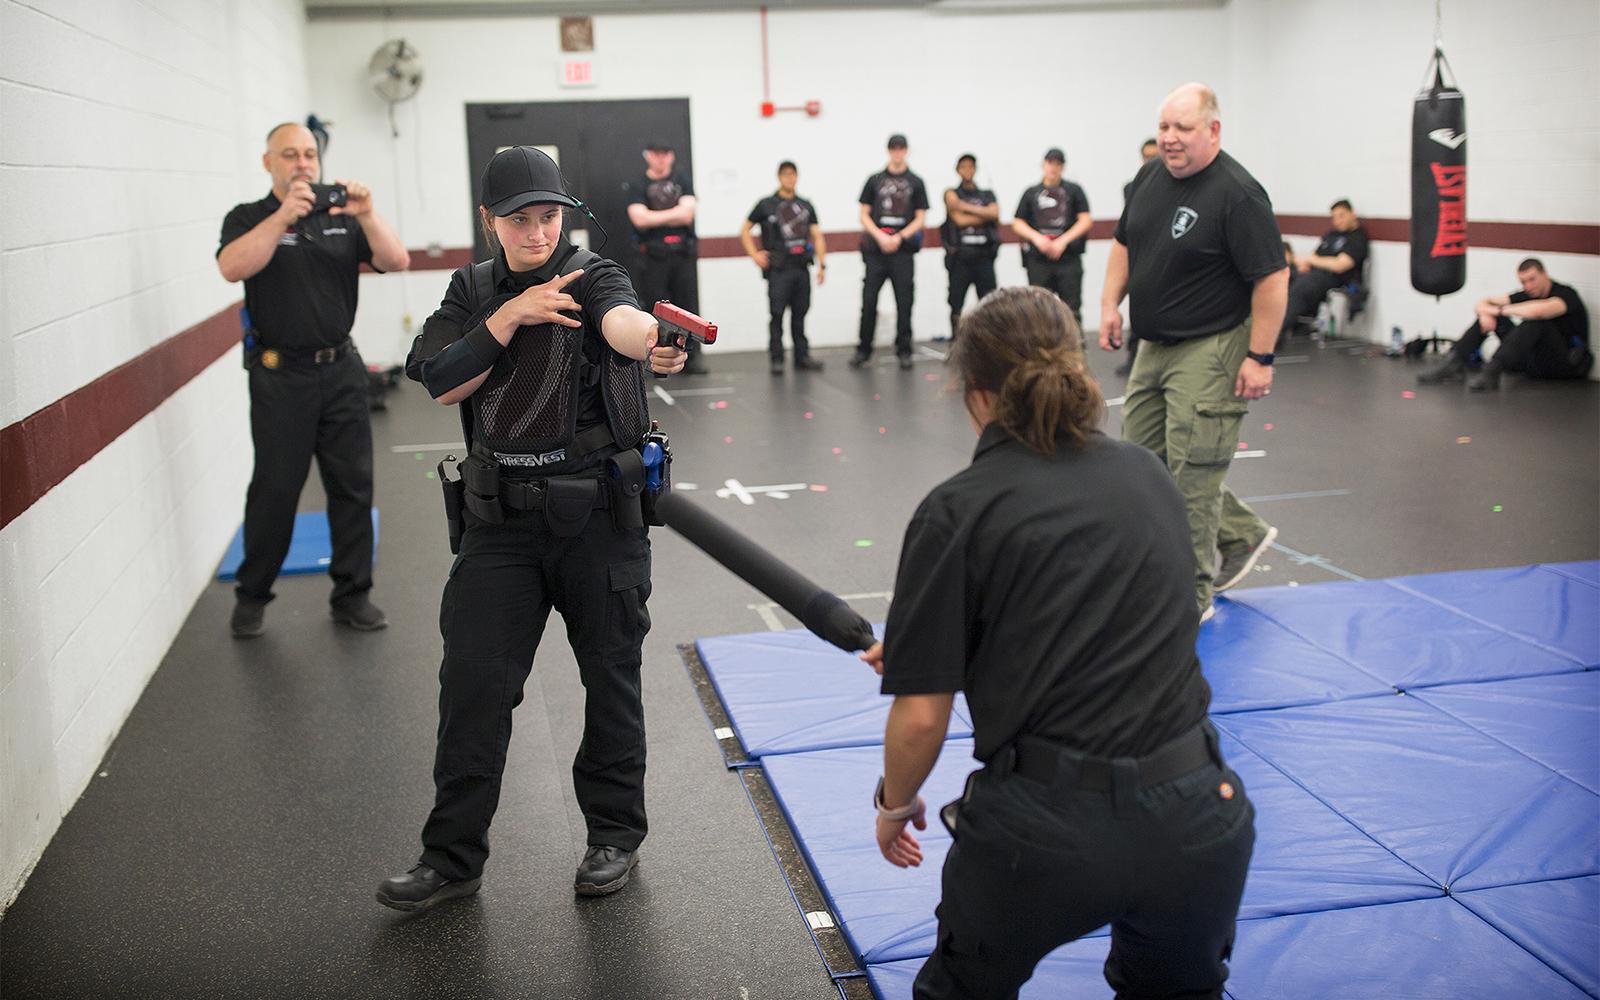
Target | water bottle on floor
(1397,343)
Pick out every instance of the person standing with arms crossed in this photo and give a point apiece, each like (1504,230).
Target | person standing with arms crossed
(308,386)
(971,237)
(894,208)
(1198,253)
(790,238)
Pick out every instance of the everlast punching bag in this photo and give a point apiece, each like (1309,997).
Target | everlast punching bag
(1438,184)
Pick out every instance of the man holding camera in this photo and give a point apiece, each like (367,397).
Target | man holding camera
(298,252)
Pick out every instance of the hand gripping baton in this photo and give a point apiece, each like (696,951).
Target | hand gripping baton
(825,614)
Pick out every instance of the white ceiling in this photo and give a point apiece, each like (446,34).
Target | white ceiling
(372,9)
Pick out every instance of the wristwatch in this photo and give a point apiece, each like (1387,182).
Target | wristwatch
(1261,359)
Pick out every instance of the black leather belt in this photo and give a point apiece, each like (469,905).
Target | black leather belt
(305,359)
(529,494)
(1051,764)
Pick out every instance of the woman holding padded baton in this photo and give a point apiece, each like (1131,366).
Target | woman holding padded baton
(544,349)
(1052,581)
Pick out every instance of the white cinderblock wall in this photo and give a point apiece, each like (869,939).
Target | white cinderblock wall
(126,132)
(1316,97)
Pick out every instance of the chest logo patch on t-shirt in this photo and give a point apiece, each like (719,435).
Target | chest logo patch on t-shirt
(1183,220)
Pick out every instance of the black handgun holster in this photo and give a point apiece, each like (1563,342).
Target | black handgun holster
(453,490)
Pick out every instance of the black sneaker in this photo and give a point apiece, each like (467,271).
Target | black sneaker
(906,362)
(1487,380)
(422,887)
(1236,565)
(776,367)
(1123,369)
(860,360)
(604,870)
(247,619)
(807,364)
(361,614)
(1451,371)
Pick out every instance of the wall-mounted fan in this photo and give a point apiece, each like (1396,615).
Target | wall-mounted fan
(395,72)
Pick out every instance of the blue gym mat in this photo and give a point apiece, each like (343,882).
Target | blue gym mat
(1423,754)
(310,549)
(787,692)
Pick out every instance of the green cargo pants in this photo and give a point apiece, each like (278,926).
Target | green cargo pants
(1180,404)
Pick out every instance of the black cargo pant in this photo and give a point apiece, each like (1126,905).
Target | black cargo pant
(788,287)
(1063,276)
(501,590)
(1306,292)
(296,413)
(899,269)
(1535,347)
(671,275)
(967,270)
(1036,866)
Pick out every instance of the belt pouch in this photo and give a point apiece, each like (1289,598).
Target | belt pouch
(626,481)
(454,492)
(567,505)
(480,478)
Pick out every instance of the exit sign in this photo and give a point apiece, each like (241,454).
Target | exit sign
(577,73)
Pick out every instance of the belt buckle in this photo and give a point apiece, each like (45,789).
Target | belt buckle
(325,356)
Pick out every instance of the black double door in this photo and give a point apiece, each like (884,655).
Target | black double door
(599,146)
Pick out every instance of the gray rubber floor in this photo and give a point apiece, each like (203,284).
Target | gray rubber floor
(260,789)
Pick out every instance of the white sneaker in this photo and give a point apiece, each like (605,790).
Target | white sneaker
(1209,613)
(1237,566)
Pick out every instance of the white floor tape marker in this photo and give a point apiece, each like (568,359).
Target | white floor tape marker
(665,396)
(1296,496)
(733,489)
(1301,559)
(768,612)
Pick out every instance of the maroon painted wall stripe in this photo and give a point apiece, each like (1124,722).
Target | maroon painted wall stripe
(42,449)
(1529,237)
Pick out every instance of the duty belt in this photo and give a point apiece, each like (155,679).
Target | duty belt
(273,357)
(529,494)
(1051,764)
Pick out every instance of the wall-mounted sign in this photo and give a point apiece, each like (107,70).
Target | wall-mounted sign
(577,34)
(577,73)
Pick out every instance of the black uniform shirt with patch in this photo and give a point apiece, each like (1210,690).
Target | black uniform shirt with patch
(785,226)
(1053,210)
(1353,243)
(1058,593)
(1574,323)
(1196,247)
(979,237)
(894,199)
(659,196)
(604,286)
(305,298)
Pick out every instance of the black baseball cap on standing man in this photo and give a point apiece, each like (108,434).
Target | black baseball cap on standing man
(897,141)
(519,176)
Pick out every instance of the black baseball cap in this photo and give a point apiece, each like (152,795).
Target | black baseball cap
(898,141)
(1055,154)
(519,176)
(659,145)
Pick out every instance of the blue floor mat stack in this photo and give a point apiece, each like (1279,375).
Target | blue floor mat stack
(1423,753)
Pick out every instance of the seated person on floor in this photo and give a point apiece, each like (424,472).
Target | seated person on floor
(1335,263)
(1543,331)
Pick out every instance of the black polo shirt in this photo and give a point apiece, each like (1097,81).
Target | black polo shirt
(1196,247)
(1353,243)
(659,195)
(1574,323)
(305,298)
(1058,593)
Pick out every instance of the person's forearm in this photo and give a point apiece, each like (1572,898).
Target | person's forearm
(867,224)
(1549,308)
(389,253)
(1268,302)
(912,740)
(628,331)
(1079,228)
(914,226)
(819,246)
(246,256)
(1116,284)
(1024,231)
(747,241)
(1333,265)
